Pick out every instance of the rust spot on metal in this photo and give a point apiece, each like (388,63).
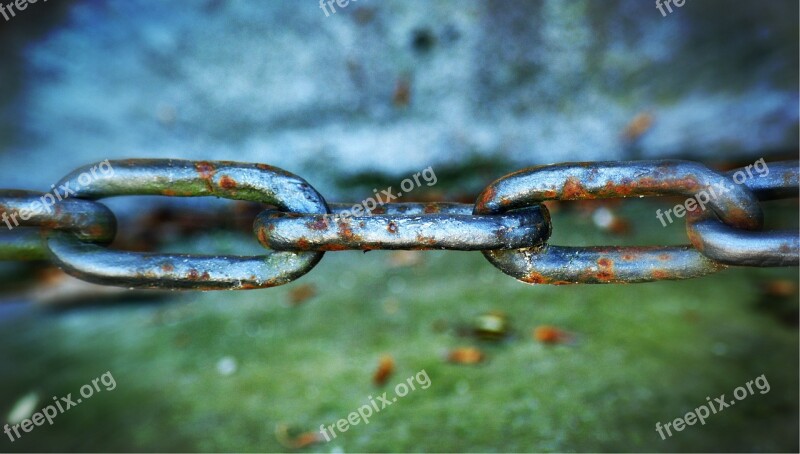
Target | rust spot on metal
(262,237)
(193,274)
(606,272)
(537,278)
(206,171)
(303,244)
(378,210)
(487,196)
(431,208)
(346,234)
(205,276)
(227,182)
(392,227)
(573,189)
(424,242)
(321,223)
(661,274)
(664,257)
(167,267)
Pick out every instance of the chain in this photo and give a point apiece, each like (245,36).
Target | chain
(508,223)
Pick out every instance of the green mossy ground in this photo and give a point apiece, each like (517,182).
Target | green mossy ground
(643,353)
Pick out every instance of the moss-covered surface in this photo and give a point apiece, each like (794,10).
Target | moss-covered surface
(642,353)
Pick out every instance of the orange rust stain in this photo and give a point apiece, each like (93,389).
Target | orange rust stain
(205,169)
(227,182)
(320,224)
(334,247)
(205,276)
(95,230)
(695,239)
(487,195)
(167,267)
(262,237)
(664,257)
(606,272)
(392,227)
(303,244)
(660,274)
(378,210)
(193,274)
(431,208)
(537,278)
(346,232)
(574,190)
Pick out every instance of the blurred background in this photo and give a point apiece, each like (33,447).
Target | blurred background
(360,99)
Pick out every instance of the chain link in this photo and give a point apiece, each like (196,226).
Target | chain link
(508,223)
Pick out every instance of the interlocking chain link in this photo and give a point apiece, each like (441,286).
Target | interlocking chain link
(508,223)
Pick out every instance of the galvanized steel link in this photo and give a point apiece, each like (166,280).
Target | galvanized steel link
(404,226)
(231,180)
(595,180)
(508,224)
(732,246)
(88,221)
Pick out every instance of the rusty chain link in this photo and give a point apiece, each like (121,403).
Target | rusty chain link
(508,223)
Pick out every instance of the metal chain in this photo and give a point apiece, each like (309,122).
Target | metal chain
(508,223)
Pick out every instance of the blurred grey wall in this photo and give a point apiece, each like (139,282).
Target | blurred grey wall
(393,85)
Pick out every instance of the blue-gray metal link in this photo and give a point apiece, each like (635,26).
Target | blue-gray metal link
(231,180)
(733,246)
(508,223)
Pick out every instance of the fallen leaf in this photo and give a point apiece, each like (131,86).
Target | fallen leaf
(551,335)
(301,293)
(385,370)
(295,442)
(465,355)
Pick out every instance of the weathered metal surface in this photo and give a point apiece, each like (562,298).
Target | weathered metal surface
(177,271)
(253,182)
(733,246)
(562,265)
(594,180)
(734,204)
(89,221)
(508,224)
(422,226)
